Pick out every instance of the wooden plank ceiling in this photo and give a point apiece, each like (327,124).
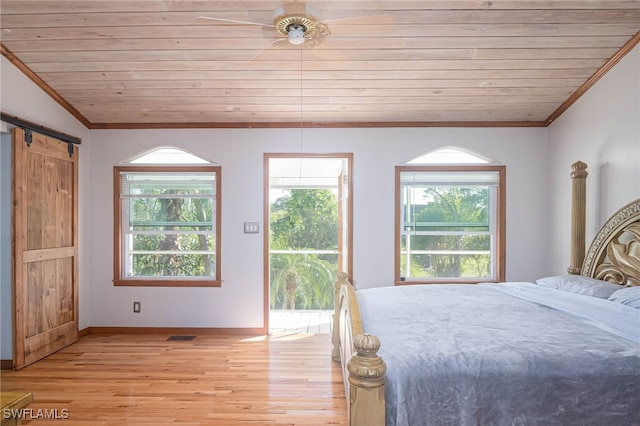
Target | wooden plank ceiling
(151,63)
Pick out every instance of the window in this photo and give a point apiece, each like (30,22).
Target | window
(450,223)
(167,225)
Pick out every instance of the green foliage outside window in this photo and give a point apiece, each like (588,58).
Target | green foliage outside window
(303,219)
(169,215)
(171,224)
(450,209)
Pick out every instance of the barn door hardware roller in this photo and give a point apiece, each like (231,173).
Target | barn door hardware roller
(30,127)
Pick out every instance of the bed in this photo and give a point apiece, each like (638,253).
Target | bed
(562,350)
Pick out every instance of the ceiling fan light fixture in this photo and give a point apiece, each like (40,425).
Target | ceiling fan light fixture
(296,34)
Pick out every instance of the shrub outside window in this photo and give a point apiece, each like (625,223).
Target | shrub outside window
(167,226)
(450,224)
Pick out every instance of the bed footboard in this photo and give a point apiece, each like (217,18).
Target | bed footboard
(362,368)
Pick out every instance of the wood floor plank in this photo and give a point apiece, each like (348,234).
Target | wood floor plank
(286,379)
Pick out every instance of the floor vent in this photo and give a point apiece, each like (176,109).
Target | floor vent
(182,338)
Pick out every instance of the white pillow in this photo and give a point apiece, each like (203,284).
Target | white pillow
(580,284)
(627,296)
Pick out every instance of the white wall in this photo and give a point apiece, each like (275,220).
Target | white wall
(602,129)
(240,153)
(20,97)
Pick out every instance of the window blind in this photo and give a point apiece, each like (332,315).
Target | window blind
(137,183)
(468,178)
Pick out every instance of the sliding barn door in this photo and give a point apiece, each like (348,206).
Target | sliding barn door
(45,246)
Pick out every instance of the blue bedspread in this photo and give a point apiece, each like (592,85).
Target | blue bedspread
(478,355)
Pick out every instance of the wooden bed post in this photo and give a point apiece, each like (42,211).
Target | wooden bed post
(362,368)
(578,213)
(366,382)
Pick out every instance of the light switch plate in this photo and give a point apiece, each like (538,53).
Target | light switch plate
(251,228)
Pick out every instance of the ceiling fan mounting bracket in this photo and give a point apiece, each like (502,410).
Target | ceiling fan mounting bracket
(285,22)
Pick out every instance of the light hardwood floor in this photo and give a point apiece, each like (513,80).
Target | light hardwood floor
(212,380)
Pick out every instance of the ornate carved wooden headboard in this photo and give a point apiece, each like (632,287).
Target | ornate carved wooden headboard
(614,254)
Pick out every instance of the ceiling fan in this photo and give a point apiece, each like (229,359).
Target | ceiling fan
(299,24)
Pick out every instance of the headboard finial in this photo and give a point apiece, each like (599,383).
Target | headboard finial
(579,170)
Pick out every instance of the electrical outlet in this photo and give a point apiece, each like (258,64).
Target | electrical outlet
(136,307)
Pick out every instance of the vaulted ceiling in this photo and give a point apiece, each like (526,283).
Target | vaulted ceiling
(153,63)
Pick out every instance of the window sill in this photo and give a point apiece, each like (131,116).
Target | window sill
(444,281)
(167,283)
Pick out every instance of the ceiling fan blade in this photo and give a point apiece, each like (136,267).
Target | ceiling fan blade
(295,7)
(264,49)
(361,25)
(207,19)
(382,20)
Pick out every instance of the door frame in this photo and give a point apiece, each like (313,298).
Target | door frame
(266,221)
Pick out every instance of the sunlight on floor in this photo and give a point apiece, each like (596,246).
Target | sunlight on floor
(279,337)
